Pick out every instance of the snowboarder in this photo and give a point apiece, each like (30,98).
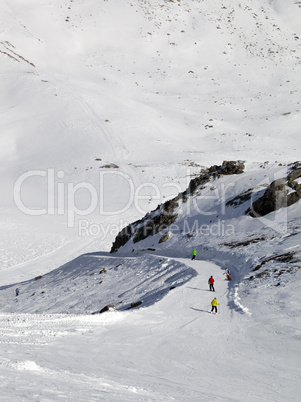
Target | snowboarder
(214,305)
(211,283)
(17,292)
(193,254)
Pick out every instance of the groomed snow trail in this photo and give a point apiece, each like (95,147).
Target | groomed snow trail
(174,350)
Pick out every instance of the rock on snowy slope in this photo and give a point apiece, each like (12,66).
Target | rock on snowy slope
(282,192)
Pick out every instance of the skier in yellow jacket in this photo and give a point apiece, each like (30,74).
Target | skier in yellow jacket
(214,305)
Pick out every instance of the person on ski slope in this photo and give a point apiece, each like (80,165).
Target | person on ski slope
(211,283)
(227,272)
(17,292)
(214,305)
(193,254)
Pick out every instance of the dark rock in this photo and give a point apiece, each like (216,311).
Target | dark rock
(240,199)
(294,174)
(273,199)
(245,242)
(133,305)
(38,277)
(107,308)
(277,194)
(164,237)
(122,238)
(214,172)
(285,258)
(294,197)
(110,166)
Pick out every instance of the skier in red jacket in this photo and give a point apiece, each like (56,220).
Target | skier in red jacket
(211,283)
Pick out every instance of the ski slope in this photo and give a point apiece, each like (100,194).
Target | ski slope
(109,108)
(172,350)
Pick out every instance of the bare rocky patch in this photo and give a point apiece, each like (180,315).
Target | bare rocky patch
(281,193)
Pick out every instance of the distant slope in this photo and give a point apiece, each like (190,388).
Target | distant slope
(146,91)
(92,80)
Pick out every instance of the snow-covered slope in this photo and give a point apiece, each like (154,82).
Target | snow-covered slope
(157,88)
(162,343)
(109,108)
(92,281)
(168,349)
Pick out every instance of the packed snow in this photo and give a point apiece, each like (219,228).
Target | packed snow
(108,109)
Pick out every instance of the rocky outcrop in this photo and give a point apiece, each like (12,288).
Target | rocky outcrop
(214,172)
(165,214)
(280,193)
(154,222)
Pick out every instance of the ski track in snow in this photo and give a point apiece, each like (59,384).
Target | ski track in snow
(30,332)
(32,329)
(238,303)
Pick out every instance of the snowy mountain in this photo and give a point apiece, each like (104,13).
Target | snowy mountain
(155,90)
(116,120)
